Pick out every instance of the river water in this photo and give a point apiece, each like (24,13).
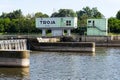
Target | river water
(104,64)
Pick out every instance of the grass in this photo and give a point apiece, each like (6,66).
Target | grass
(114,34)
(48,34)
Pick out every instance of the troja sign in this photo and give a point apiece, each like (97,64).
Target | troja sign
(47,22)
(57,22)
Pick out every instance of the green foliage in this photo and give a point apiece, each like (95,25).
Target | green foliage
(16,22)
(12,15)
(118,15)
(64,13)
(14,28)
(80,30)
(39,14)
(1,28)
(114,25)
(2,25)
(83,15)
(86,13)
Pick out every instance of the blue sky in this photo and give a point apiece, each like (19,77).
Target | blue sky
(108,8)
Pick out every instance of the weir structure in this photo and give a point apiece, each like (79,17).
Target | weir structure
(14,53)
(13,44)
(82,47)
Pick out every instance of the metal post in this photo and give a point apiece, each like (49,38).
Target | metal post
(43,32)
(68,32)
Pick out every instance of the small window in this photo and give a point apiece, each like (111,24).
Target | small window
(89,21)
(68,23)
(93,23)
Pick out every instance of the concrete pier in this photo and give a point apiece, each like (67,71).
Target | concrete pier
(14,53)
(64,46)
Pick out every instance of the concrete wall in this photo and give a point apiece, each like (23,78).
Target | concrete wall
(65,46)
(99,38)
(14,58)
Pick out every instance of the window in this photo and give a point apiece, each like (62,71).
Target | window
(68,23)
(93,23)
(89,21)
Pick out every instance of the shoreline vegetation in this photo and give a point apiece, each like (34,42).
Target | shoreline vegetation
(17,23)
(47,34)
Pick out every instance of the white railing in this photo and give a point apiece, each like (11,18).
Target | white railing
(19,44)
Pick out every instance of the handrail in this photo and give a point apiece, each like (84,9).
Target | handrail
(97,28)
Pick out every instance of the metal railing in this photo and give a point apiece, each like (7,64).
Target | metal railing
(19,44)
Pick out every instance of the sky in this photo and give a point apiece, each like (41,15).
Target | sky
(108,8)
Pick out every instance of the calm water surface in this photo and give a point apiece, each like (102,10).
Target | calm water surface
(104,64)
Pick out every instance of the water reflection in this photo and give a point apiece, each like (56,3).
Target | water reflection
(76,54)
(56,65)
(14,73)
(102,65)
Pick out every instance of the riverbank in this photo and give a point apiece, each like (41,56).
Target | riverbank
(100,41)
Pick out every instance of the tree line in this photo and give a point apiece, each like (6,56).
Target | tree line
(16,22)
(114,23)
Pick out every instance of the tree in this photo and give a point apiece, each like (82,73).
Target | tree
(12,15)
(86,13)
(90,13)
(2,25)
(16,22)
(64,13)
(114,25)
(118,15)
(6,24)
(14,27)
(1,28)
(95,13)
(39,14)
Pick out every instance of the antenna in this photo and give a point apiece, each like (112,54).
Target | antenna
(54,10)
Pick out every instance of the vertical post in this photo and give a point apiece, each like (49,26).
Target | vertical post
(0,45)
(16,44)
(68,32)
(43,32)
(24,44)
(9,44)
(5,44)
(20,44)
(63,32)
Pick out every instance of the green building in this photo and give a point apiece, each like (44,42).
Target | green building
(98,27)
(57,25)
